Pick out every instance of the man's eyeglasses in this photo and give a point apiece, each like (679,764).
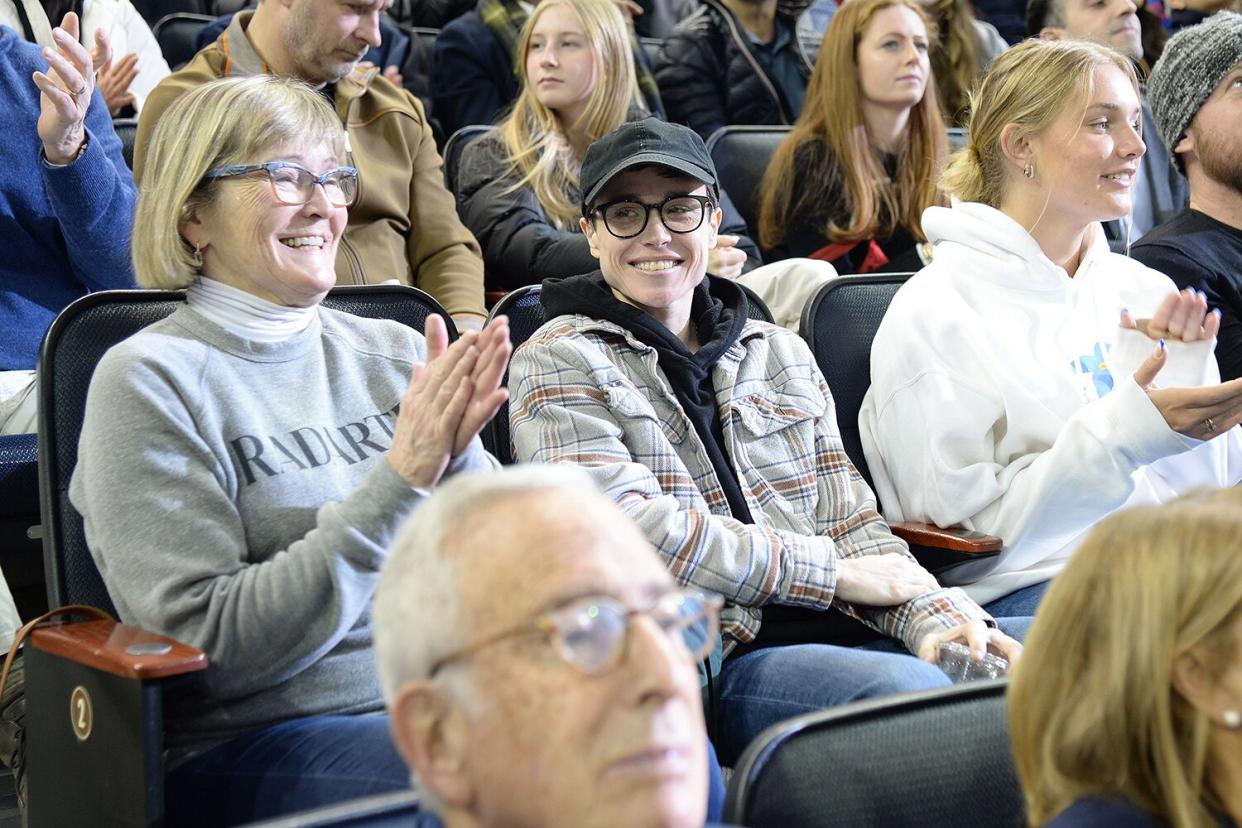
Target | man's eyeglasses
(625,219)
(591,633)
(294,185)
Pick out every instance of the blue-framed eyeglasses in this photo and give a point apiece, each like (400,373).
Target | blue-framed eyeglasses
(591,633)
(294,185)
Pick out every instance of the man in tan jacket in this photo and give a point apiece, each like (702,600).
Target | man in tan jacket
(404,225)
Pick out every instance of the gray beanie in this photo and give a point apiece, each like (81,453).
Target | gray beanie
(1193,63)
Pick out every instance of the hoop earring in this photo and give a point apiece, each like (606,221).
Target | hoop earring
(1233,719)
(1029,170)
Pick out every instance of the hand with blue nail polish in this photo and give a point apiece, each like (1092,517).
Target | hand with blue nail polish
(1180,317)
(1203,413)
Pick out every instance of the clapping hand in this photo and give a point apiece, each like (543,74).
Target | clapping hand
(1179,317)
(114,81)
(726,258)
(450,398)
(487,396)
(65,90)
(1201,413)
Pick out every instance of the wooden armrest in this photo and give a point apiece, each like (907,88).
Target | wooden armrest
(491,297)
(125,651)
(955,540)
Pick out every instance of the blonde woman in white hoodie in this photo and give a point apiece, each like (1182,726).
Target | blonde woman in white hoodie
(1028,382)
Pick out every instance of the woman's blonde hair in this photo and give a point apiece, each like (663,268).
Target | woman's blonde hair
(955,58)
(832,117)
(230,121)
(1029,85)
(1092,707)
(537,150)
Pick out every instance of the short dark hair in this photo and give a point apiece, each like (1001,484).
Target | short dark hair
(1043,13)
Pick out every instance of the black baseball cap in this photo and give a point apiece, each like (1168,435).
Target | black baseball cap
(637,143)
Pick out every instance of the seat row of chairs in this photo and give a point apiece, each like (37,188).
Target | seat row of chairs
(121,667)
(936,759)
(178,31)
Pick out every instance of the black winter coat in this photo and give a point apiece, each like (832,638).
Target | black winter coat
(520,246)
(709,78)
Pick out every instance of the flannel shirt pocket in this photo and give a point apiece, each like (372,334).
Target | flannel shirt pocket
(775,443)
(626,401)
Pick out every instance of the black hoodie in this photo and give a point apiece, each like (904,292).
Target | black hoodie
(718,313)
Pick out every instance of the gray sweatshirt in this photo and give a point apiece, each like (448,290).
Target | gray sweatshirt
(236,497)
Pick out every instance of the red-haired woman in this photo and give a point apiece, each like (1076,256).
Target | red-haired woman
(852,179)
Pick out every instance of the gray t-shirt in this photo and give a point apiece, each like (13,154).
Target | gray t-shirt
(236,497)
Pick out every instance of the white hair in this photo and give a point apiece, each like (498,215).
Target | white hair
(417,617)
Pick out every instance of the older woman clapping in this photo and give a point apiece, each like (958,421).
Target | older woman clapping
(245,462)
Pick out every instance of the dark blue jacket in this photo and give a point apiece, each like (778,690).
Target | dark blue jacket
(1106,812)
(471,74)
(64,231)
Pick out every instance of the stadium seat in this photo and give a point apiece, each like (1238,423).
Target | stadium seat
(839,324)
(394,810)
(651,48)
(20,561)
(114,774)
(153,11)
(525,317)
(127,130)
(934,759)
(426,37)
(176,33)
(741,155)
(453,149)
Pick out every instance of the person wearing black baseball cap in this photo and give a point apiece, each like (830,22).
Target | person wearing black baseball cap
(717,434)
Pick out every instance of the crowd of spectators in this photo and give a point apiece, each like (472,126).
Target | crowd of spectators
(303,494)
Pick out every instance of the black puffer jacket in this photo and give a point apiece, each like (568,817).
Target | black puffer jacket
(709,78)
(520,246)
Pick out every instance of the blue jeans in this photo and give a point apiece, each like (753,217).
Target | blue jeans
(767,686)
(1023,602)
(287,767)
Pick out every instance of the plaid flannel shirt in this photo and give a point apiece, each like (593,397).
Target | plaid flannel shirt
(586,391)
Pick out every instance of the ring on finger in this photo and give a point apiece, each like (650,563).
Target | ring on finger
(1209,424)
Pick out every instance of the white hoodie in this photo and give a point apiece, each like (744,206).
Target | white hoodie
(1003,398)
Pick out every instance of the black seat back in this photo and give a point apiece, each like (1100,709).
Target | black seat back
(525,314)
(426,36)
(935,759)
(73,346)
(392,810)
(741,155)
(453,150)
(525,317)
(840,323)
(177,34)
(127,130)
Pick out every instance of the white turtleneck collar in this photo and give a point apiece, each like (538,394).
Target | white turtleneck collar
(245,315)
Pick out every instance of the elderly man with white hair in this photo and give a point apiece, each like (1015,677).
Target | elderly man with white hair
(538,660)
